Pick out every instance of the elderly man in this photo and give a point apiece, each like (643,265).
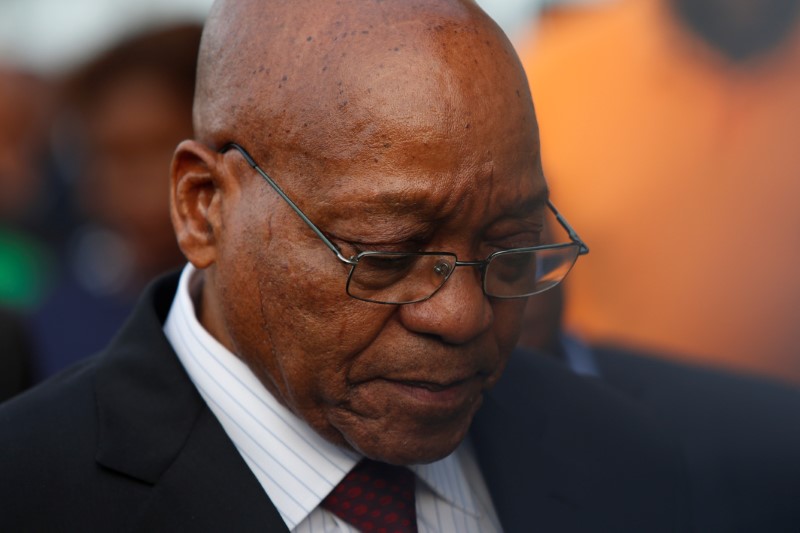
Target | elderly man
(361,209)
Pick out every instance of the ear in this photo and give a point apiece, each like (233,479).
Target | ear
(196,194)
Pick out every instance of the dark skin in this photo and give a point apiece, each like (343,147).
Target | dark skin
(414,131)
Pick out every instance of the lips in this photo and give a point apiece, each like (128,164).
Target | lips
(433,387)
(442,389)
(423,398)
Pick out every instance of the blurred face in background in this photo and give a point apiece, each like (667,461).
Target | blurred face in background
(131,129)
(24,113)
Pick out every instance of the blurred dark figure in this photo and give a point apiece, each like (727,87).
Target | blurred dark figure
(740,29)
(739,434)
(124,113)
(25,257)
(24,122)
(15,355)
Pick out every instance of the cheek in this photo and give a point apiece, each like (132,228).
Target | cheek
(305,305)
(294,324)
(317,334)
(507,322)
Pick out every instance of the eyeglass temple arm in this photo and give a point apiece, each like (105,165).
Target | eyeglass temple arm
(583,249)
(288,200)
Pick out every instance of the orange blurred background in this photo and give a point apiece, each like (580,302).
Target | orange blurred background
(676,156)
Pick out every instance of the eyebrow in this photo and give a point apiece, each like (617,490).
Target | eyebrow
(389,202)
(405,198)
(535,202)
(393,215)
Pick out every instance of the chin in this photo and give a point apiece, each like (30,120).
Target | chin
(411,453)
(418,446)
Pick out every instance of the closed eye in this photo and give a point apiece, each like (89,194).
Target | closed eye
(388,262)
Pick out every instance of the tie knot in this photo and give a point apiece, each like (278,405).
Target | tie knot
(376,498)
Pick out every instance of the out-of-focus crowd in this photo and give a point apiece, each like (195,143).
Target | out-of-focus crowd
(84,220)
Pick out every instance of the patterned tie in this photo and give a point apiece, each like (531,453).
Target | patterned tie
(375,498)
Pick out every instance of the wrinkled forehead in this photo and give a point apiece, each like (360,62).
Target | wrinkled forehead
(437,85)
(348,82)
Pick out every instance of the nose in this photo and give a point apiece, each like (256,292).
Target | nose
(457,313)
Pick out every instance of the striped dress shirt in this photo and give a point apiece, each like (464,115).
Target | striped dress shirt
(295,466)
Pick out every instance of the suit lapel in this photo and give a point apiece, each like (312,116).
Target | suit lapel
(209,488)
(564,453)
(154,427)
(524,474)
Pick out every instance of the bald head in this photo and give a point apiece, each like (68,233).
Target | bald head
(294,77)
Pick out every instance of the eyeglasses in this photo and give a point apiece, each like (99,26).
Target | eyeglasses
(411,277)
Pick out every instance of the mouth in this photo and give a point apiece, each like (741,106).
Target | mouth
(432,397)
(433,387)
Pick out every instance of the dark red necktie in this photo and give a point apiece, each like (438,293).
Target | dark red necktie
(375,498)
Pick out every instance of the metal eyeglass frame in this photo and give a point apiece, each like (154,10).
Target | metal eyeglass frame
(353,261)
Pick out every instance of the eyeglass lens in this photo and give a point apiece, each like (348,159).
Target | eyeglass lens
(399,278)
(518,273)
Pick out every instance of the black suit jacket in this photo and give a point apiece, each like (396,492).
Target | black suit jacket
(123,442)
(15,355)
(741,437)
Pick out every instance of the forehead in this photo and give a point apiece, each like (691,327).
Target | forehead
(412,206)
(413,107)
(416,110)
(333,84)
(419,181)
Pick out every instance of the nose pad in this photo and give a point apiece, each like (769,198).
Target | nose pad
(442,268)
(457,313)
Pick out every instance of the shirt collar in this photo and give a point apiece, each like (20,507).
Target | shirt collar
(446,477)
(296,467)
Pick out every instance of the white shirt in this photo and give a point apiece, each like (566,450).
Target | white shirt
(295,466)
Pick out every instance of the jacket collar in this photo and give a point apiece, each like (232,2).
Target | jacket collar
(562,452)
(155,427)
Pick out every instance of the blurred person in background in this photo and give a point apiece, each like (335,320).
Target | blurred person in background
(24,122)
(673,126)
(123,115)
(738,433)
(25,256)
